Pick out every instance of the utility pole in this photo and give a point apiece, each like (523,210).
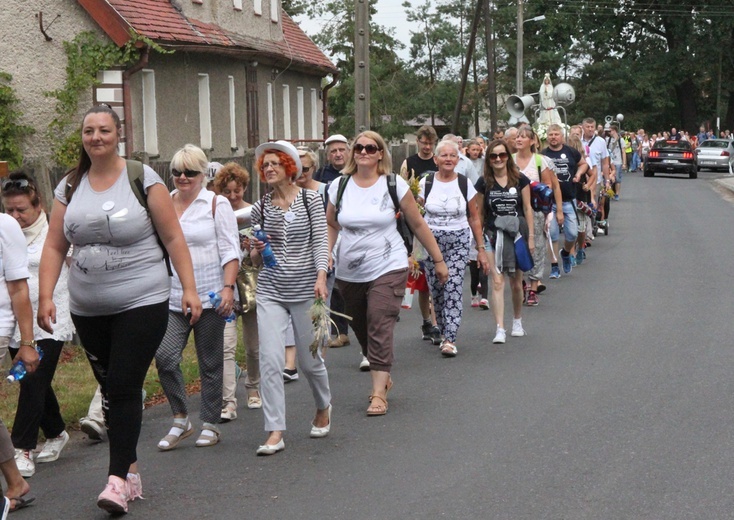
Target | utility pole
(465,68)
(518,65)
(491,81)
(361,66)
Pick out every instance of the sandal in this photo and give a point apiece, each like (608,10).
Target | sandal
(448,349)
(377,408)
(209,437)
(254,402)
(388,386)
(19,503)
(176,434)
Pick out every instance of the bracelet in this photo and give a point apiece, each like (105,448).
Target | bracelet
(481,248)
(30,343)
(438,261)
(231,286)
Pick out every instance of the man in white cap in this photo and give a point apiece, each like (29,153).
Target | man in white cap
(337,150)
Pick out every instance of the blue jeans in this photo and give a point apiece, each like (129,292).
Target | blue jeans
(570,224)
(635,162)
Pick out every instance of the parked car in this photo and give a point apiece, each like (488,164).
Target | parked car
(715,154)
(670,157)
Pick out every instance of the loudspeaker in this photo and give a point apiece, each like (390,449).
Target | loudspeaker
(517,105)
(564,94)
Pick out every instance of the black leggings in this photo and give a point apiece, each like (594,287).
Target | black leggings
(120,348)
(477,276)
(37,404)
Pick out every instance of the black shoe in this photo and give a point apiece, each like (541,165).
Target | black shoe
(290,375)
(436,336)
(426,330)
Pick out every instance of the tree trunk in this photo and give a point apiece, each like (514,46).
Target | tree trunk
(728,121)
(686,92)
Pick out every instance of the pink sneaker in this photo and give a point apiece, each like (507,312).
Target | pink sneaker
(114,497)
(134,486)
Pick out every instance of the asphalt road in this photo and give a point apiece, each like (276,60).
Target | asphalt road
(616,406)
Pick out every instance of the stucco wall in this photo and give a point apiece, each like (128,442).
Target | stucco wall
(223,13)
(37,65)
(177,100)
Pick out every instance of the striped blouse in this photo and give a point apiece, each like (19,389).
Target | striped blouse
(299,242)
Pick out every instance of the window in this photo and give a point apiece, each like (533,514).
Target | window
(205,114)
(238,5)
(286,112)
(301,114)
(258,6)
(314,114)
(271,115)
(232,116)
(274,10)
(150,119)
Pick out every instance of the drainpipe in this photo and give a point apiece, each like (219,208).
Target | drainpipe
(325,98)
(127,99)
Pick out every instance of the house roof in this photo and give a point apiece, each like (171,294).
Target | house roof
(160,21)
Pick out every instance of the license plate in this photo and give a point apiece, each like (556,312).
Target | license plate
(669,161)
(706,163)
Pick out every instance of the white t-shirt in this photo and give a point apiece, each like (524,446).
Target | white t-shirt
(597,151)
(370,243)
(531,169)
(446,207)
(13,266)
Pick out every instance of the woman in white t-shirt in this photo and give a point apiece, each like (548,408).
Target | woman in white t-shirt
(446,215)
(537,168)
(372,261)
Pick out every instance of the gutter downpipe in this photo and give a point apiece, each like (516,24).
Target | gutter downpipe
(325,98)
(127,99)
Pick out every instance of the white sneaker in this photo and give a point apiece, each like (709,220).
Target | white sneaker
(364,365)
(24,461)
(52,449)
(517,329)
(92,428)
(501,335)
(475,301)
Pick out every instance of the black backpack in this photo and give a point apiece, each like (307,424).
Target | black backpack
(463,186)
(405,233)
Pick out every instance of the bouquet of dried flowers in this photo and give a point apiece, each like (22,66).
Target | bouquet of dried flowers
(320,316)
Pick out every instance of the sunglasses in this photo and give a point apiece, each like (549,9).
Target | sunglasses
(371,149)
(20,184)
(501,156)
(306,169)
(188,173)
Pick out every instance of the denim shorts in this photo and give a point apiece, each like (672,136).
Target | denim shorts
(570,224)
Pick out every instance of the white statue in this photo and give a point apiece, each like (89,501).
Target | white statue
(548,111)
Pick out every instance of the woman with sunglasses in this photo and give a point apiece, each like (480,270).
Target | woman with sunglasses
(453,220)
(118,283)
(372,261)
(231,181)
(37,404)
(537,168)
(506,193)
(293,218)
(210,229)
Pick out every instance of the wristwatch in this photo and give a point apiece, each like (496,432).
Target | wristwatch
(31,343)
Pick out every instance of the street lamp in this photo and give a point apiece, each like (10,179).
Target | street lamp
(520,73)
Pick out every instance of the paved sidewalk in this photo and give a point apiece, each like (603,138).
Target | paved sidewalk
(726,182)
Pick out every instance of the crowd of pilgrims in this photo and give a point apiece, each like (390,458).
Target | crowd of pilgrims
(134,269)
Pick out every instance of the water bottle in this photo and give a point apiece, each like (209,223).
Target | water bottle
(215,299)
(18,371)
(267,254)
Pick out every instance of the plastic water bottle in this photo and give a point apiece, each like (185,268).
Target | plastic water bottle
(267,254)
(215,299)
(18,371)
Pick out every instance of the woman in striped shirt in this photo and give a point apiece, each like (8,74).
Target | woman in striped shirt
(294,221)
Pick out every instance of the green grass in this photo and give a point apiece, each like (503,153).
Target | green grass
(75,385)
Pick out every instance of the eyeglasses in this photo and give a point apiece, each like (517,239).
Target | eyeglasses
(501,156)
(306,169)
(371,149)
(188,173)
(425,143)
(266,165)
(20,184)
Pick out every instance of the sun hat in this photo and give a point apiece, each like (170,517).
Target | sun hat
(336,138)
(285,147)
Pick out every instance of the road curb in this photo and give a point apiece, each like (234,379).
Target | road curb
(726,183)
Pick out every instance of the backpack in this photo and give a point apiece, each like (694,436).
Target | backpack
(405,233)
(135,176)
(463,186)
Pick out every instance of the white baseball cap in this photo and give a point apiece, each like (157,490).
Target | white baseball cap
(336,138)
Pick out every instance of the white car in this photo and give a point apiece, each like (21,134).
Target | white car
(715,154)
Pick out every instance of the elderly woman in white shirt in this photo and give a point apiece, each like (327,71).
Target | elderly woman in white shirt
(210,229)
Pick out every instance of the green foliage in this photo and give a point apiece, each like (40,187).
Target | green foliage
(86,55)
(12,132)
